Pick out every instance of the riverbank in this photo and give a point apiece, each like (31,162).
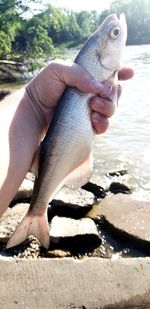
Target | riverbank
(80,225)
(3,94)
(12,71)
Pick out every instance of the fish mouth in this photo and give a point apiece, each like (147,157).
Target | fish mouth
(122,19)
(123,24)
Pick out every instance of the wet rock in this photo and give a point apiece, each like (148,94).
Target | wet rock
(74,234)
(63,209)
(98,191)
(95,212)
(3,94)
(11,218)
(103,251)
(79,197)
(127,218)
(71,203)
(30,249)
(117,173)
(66,227)
(24,191)
(117,187)
(11,71)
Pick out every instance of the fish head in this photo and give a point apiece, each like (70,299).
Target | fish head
(111,40)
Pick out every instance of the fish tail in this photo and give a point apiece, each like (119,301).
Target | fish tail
(31,225)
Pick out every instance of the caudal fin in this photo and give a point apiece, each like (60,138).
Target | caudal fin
(31,225)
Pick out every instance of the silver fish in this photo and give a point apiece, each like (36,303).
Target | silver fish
(66,151)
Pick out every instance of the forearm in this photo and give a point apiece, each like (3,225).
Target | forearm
(20,133)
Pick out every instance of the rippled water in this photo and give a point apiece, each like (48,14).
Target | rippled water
(126,144)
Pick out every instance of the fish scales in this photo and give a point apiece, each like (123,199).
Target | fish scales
(68,144)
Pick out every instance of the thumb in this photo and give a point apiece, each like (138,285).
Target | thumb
(74,75)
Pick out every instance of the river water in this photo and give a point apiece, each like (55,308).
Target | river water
(126,144)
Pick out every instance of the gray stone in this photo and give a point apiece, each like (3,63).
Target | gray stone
(75,235)
(24,191)
(125,214)
(67,227)
(3,94)
(71,203)
(79,197)
(117,187)
(11,218)
(67,283)
(11,71)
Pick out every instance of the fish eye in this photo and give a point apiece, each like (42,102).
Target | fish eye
(114,33)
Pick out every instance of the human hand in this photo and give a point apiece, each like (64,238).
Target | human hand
(48,86)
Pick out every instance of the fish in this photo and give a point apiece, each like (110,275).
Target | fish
(66,155)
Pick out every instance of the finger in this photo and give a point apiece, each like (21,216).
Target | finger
(74,75)
(99,122)
(125,73)
(102,106)
(110,91)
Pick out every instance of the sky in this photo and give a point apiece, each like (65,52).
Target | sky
(78,5)
(75,5)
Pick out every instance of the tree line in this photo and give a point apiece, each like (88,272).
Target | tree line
(40,35)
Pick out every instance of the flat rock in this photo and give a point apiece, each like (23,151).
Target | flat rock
(117,187)
(11,71)
(125,214)
(79,197)
(117,173)
(11,218)
(24,191)
(67,227)
(71,203)
(3,94)
(74,233)
(97,190)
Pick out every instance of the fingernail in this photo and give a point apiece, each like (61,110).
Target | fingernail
(95,117)
(97,85)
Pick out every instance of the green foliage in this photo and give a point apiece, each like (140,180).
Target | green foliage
(5,44)
(87,22)
(138,19)
(32,39)
(42,33)
(9,23)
